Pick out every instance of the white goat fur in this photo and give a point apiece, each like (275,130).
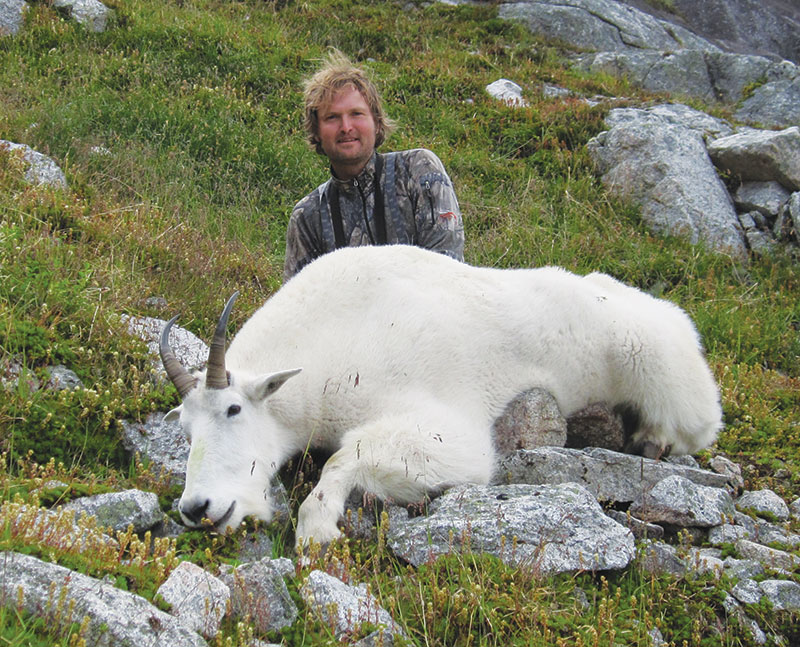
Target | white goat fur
(407,359)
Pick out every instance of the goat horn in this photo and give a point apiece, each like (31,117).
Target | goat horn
(216,376)
(180,377)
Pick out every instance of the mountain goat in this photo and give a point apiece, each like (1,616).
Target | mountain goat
(398,360)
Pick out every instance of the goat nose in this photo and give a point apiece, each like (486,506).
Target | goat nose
(194,511)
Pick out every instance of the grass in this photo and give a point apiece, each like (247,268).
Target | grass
(180,133)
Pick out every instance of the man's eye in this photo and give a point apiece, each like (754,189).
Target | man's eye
(233,410)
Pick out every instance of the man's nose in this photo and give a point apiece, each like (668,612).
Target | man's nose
(347,123)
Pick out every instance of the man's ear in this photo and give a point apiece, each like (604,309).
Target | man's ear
(266,385)
(174,414)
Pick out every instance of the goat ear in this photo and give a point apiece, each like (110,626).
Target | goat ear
(173,415)
(266,385)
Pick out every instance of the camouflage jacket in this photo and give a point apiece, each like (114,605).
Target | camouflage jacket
(420,209)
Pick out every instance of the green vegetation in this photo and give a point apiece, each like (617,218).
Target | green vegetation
(180,132)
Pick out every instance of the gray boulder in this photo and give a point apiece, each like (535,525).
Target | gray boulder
(666,169)
(783,594)
(507,92)
(711,76)
(92,14)
(769,557)
(761,156)
(550,528)
(765,197)
(766,27)
(787,224)
(774,105)
(162,443)
(192,350)
(763,502)
(115,617)
(608,475)
(530,420)
(344,607)
(62,378)
(118,510)
(677,501)
(12,16)
(601,25)
(259,592)
(39,169)
(676,114)
(197,599)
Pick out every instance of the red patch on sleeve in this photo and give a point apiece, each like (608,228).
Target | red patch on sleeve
(447,215)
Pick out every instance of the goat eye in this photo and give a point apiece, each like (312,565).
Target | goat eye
(233,410)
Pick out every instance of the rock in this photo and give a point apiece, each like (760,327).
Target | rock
(765,532)
(747,592)
(650,164)
(681,73)
(115,617)
(531,420)
(775,105)
(787,224)
(761,243)
(676,114)
(794,508)
(711,76)
(595,426)
(763,502)
(507,91)
(12,16)
(766,28)
(62,378)
(761,156)
(162,443)
(40,169)
(743,569)
(601,25)
(610,476)
(344,607)
(12,371)
(639,528)
(118,510)
(657,557)
(677,501)
(706,560)
(731,74)
(92,14)
(198,599)
(549,528)
(51,528)
(726,533)
(259,592)
(735,611)
(783,594)
(769,557)
(765,197)
(191,349)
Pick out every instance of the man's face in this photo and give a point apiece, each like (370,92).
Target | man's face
(347,132)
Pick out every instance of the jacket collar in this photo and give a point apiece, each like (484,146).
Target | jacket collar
(365,179)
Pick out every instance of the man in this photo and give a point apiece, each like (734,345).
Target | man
(370,198)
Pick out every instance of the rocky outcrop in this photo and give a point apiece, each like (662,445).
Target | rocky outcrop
(603,25)
(668,159)
(748,62)
(667,171)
